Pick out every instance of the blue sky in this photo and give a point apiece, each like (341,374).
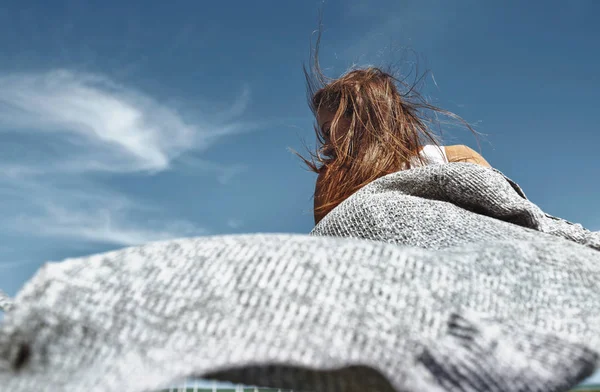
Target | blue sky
(127,123)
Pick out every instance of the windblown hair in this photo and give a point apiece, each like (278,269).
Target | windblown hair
(388,127)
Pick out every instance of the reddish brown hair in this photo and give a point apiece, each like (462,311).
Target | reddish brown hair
(388,127)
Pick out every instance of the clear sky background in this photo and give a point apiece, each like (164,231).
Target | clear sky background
(128,122)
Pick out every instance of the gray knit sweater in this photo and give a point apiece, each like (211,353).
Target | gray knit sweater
(449,280)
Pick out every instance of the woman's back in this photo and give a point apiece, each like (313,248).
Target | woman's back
(430,155)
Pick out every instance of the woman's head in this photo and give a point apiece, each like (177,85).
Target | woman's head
(362,117)
(369,124)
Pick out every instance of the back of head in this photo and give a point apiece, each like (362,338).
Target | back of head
(371,124)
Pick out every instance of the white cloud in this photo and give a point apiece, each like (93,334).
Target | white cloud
(239,106)
(59,127)
(113,128)
(104,226)
(78,209)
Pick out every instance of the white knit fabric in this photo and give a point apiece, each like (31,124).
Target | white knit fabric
(447,279)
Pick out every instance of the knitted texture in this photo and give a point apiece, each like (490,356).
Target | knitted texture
(5,301)
(441,206)
(452,280)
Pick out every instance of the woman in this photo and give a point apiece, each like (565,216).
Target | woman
(366,128)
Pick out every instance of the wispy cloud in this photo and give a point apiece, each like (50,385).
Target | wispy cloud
(104,226)
(84,211)
(113,128)
(59,127)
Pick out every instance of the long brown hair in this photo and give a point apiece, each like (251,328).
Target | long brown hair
(388,125)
